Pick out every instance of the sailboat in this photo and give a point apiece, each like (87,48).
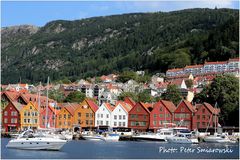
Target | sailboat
(216,138)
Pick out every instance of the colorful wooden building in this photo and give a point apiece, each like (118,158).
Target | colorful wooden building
(51,117)
(205,116)
(11,117)
(85,114)
(29,116)
(183,115)
(161,115)
(65,117)
(139,117)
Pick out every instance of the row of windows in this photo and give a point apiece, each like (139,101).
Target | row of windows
(135,116)
(32,121)
(101,115)
(87,114)
(182,115)
(160,122)
(120,117)
(161,115)
(120,124)
(13,113)
(30,113)
(138,123)
(13,120)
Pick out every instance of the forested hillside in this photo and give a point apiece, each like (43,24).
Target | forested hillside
(103,45)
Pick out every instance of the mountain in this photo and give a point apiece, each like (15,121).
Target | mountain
(101,45)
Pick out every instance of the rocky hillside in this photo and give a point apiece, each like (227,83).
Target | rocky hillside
(102,45)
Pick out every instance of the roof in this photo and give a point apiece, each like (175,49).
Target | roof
(175,69)
(171,107)
(209,63)
(127,107)
(194,66)
(93,106)
(146,106)
(71,107)
(176,81)
(211,109)
(17,105)
(109,106)
(34,98)
(233,60)
(129,101)
(12,96)
(189,105)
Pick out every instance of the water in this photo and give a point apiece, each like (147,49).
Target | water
(123,150)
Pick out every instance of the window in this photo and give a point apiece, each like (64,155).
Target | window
(203,124)
(107,116)
(203,110)
(115,116)
(124,124)
(30,107)
(120,117)
(5,113)
(101,122)
(101,115)
(203,117)
(5,120)
(115,123)
(35,121)
(144,117)
(25,113)
(36,114)
(132,116)
(124,117)
(154,123)
(91,122)
(69,116)
(64,116)
(86,122)
(155,115)
(79,114)
(182,109)
(161,115)
(107,123)
(32,113)
(160,109)
(97,123)
(198,117)
(132,123)
(138,109)
(119,124)
(98,115)
(87,114)
(25,121)
(60,123)
(28,120)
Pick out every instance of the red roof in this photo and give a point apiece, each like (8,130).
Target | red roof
(129,101)
(211,109)
(127,107)
(175,69)
(146,106)
(170,106)
(189,105)
(12,96)
(17,105)
(209,63)
(71,107)
(194,66)
(233,60)
(109,106)
(93,106)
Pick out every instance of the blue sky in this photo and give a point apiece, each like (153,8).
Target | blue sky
(40,12)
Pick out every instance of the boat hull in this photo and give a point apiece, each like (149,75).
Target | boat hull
(213,139)
(149,138)
(36,144)
(93,138)
(182,140)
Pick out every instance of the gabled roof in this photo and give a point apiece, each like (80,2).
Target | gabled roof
(130,101)
(146,106)
(71,107)
(12,96)
(34,98)
(17,105)
(109,106)
(127,107)
(92,105)
(170,106)
(211,109)
(188,104)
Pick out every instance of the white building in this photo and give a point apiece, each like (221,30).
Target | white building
(103,115)
(120,114)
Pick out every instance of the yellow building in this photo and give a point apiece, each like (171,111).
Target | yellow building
(85,114)
(65,116)
(29,116)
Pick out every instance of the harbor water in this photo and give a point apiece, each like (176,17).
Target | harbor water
(82,149)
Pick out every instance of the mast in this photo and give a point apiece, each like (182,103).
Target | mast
(165,117)
(46,116)
(39,107)
(215,117)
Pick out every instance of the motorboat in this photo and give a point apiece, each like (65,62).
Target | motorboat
(161,135)
(93,137)
(35,141)
(183,138)
(217,138)
(111,136)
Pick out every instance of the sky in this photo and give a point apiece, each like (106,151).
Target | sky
(38,13)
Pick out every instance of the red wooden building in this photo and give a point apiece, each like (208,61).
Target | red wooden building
(161,114)
(50,117)
(204,116)
(139,116)
(183,115)
(11,117)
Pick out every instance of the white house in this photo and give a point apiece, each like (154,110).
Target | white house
(120,114)
(103,115)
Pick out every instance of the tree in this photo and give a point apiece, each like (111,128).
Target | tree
(172,94)
(132,95)
(126,75)
(225,91)
(144,96)
(56,95)
(75,96)
(189,83)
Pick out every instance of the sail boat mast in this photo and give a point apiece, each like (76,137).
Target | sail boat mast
(46,116)
(39,107)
